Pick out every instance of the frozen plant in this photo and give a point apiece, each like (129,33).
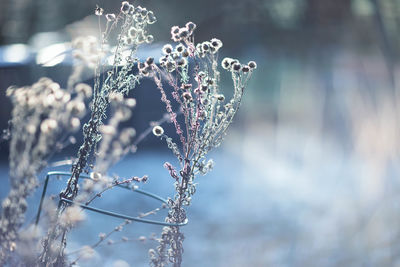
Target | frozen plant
(117,64)
(44,115)
(191,71)
(43,118)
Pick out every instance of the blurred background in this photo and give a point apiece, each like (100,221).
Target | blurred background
(308,174)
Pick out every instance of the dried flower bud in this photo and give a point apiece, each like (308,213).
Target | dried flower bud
(179,48)
(236,67)
(205,46)
(149,38)
(186,86)
(185,53)
(110,17)
(158,130)
(252,65)
(226,63)
(130,102)
(151,18)
(167,49)
(75,124)
(183,32)
(77,108)
(190,26)
(95,176)
(98,11)
(203,115)
(216,43)
(83,88)
(125,7)
(182,62)
(187,96)
(48,125)
(220,97)
(150,60)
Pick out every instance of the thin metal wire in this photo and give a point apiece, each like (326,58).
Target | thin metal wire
(101,211)
(121,216)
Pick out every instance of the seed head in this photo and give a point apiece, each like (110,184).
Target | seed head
(179,48)
(226,63)
(125,7)
(236,67)
(158,130)
(252,64)
(110,17)
(190,26)
(167,49)
(187,96)
(98,11)
(151,18)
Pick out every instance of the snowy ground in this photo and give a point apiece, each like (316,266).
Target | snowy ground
(304,203)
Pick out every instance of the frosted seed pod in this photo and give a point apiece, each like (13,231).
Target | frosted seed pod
(75,124)
(203,115)
(158,130)
(199,48)
(236,67)
(220,97)
(98,11)
(174,30)
(125,7)
(130,102)
(151,18)
(226,63)
(245,68)
(58,95)
(132,32)
(187,96)
(126,136)
(48,126)
(175,55)
(216,43)
(149,39)
(204,88)
(31,128)
(252,65)
(185,53)
(179,48)
(110,17)
(206,46)
(182,62)
(186,86)
(190,26)
(205,101)
(66,98)
(183,32)
(83,88)
(49,100)
(167,49)
(95,175)
(150,60)
(77,108)
(201,74)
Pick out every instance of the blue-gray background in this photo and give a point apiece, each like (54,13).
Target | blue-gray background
(308,174)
